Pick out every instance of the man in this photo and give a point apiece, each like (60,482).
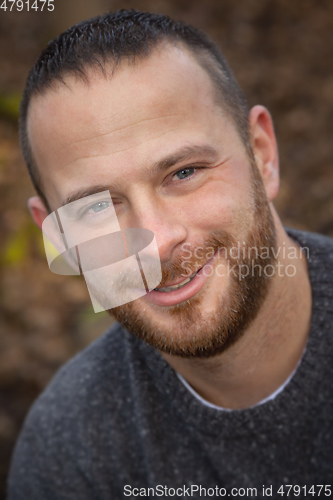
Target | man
(218,381)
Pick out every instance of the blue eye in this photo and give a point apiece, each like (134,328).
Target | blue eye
(185,172)
(99,206)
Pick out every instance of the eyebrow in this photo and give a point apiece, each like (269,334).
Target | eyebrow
(184,153)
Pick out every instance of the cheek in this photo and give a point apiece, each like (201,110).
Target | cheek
(219,205)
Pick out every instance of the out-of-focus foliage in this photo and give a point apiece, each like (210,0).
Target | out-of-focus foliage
(18,246)
(9,106)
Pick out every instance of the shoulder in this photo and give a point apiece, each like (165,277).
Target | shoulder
(318,243)
(71,420)
(318,250)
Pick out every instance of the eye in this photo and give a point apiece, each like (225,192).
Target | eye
(184,173)
(98,207)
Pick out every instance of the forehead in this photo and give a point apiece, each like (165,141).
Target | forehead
(119,119)
(169,78)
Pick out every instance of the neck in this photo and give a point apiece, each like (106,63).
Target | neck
(268,351)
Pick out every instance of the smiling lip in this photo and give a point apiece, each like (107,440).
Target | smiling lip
(181,294)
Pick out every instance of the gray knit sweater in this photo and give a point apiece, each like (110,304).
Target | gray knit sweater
(116,417)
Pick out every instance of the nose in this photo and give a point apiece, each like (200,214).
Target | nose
(163,219)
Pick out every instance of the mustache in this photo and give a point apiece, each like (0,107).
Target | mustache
(175,270)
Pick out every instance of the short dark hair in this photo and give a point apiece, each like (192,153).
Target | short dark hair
(131,35)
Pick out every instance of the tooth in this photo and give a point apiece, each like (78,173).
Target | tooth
(175,287)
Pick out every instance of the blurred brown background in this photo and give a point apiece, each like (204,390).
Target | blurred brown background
(281,53)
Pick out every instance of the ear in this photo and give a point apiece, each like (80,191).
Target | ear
(265,149)
(38,210)
(53,239)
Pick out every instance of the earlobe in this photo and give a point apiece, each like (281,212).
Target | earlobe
(38,210)
(265,149)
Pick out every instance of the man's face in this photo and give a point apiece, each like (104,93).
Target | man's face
(154,135)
